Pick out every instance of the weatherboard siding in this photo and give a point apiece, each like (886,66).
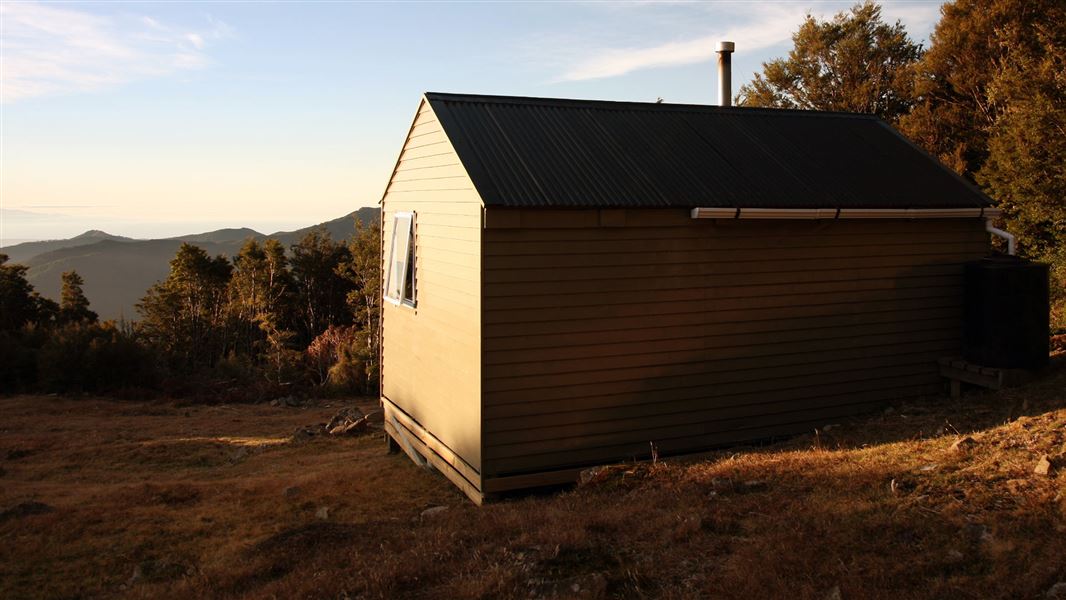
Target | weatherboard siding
(431,353)
(608,331)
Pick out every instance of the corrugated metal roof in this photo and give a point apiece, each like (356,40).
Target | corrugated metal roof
(585,153)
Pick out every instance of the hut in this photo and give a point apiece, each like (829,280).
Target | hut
(571,283)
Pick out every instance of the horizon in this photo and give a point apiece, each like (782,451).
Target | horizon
(153,120)
(170,230)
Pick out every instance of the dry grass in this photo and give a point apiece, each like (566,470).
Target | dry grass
(214,501)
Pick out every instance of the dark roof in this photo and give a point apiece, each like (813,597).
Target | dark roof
(585,153)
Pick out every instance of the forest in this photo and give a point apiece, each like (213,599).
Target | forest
(269,322)
(987,97)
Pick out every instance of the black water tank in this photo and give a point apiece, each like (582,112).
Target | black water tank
(1006,313)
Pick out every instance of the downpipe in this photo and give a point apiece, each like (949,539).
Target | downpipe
(1001,233)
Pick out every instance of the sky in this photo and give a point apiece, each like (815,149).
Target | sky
(159,119)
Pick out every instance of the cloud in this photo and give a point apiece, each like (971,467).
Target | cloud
(753,26)
(48,50)
(766,26)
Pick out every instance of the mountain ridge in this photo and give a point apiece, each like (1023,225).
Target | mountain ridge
(118,270)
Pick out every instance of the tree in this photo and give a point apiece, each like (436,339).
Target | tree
(260,291)
(321,293)
(185,314)
(1025,167)
(972,43)
(854,62)
(73,305)
(18,305)
(363,271)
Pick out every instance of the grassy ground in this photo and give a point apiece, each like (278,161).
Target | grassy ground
(167,501)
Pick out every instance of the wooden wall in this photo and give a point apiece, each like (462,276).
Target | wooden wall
(431,353)
(605,331)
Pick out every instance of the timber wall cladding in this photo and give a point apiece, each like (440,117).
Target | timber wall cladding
(600,340)
(431,354)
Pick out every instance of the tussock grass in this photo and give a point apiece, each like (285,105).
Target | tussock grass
(169,501)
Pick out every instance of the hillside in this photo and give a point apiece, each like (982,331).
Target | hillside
(156,500)
(20,253)
(118,271)
(221,235)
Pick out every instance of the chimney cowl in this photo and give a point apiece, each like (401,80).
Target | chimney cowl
(726,46)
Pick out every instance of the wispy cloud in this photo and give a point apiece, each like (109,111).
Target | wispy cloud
(50,50)
(754,26)
(763,26)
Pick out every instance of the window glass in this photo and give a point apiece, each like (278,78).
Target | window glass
(400,284)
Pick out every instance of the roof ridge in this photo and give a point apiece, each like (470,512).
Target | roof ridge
(635,105)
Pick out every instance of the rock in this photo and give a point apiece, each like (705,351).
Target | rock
(25,509)
(285,401)
(1043,466)
(340,423)
(1057,591)
(834,594)
(433,511)
(292,491)
(322,513)
(302,434)
(955,556)
(963,445)
(352,428)
(593,475)
(349,414)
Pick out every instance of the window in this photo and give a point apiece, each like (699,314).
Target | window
(400,280)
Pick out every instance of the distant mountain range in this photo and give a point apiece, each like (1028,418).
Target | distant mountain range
(118,270)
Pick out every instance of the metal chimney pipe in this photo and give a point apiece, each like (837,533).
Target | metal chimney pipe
(725,73)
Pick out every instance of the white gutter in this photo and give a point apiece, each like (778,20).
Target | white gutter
(846,213)
(860,213)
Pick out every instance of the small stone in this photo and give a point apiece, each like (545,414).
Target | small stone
(954,555)
(292,491)
(928,468)
(593,475)
(433,511)
(322,513)
(1043,466)
(834,594)
(963,445)
(1057,591)
(889,411)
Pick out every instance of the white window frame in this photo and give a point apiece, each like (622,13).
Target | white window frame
(398,296)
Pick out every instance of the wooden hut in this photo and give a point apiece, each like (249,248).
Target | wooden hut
(571,283)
